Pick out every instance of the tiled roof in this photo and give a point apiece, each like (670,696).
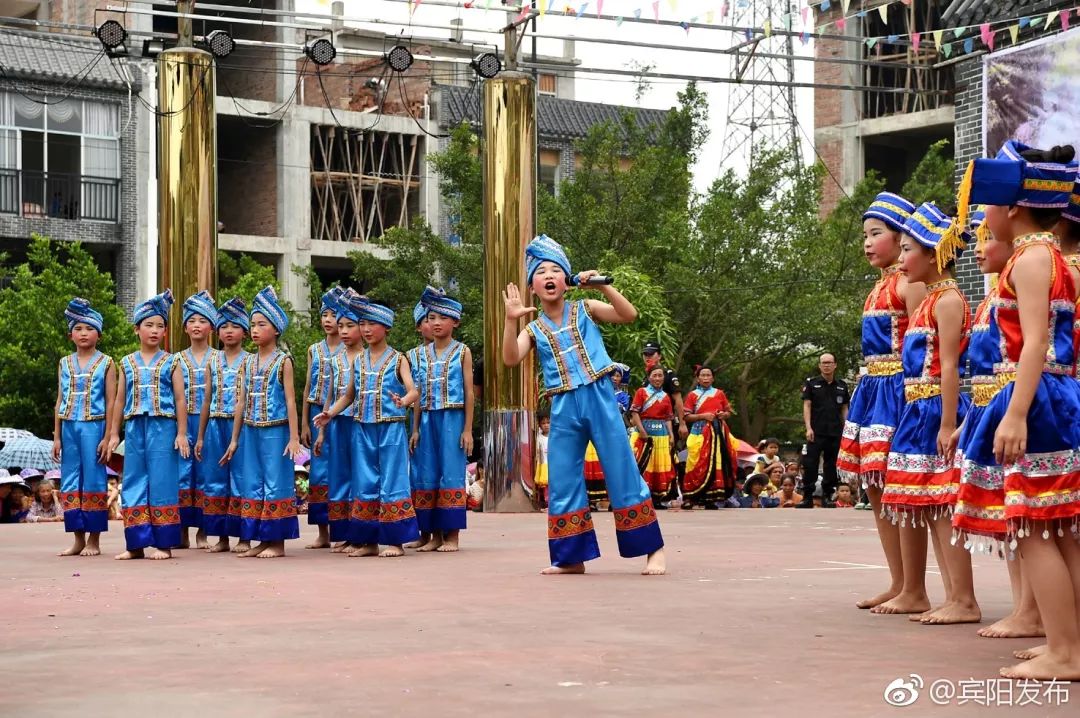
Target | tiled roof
(54,58)
(961,13)
(555,117)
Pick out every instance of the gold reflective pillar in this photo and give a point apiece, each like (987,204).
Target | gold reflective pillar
(187,179)
(509,220)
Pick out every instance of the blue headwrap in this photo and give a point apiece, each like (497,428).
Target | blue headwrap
(348,304)
(203,305)
(419,312)
(328,301)
(935,230)
(624,373)
(266,304)
(1072,212)
(545,249)
(79,311)
(892,209)
(156,306)
(436,301)
(377,313)
(233,311)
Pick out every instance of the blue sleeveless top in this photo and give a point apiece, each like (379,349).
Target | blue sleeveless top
(82,388)
(417,369)
(320,356)
(194,378)
(376,379)
(572,353)
(444,382)
(149,389)
(340,375)
(223,387)
(265,390)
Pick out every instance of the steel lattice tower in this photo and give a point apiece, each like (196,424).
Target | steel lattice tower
(761,116)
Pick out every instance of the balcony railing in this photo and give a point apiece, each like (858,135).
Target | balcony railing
(26,193)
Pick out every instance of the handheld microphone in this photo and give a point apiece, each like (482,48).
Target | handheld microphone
(597,281)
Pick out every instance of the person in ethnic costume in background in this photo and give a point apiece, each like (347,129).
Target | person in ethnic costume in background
(651,413)
(423,498)
(879,397)
(710,457)
(1027,437)
(574,364)
(85,398)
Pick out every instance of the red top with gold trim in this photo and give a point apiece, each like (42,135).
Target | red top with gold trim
(884,319)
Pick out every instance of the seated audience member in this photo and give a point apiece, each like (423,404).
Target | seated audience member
(114,503)
(32,477)
(14,499)
(769,449)
(474,500)
(775,474)
(788,496)
(300,475)
(755,497)
(843,497)
(45,506)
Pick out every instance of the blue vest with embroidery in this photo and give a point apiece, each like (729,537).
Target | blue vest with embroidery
(572,353)
(223,387)
(265,390)
(340,375)
(444,382)
(417,369)
(82,388)
(320,357)
(194,378)
(149,389)
(377,379)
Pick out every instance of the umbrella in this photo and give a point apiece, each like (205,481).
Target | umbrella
(28,451)
(9,434)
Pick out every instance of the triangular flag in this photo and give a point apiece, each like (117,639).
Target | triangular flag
(958,32)
(787,22)
(525,10)
(841,23)
(1050,19)
(803,13)
(723,9)
(709,17)
(883,10)
(749,34)
(599,7)
(870,42)
(1014,32)
(861,13)
(685,26)
(845,4)
(984,33)
(1065,20)
(656,10)
(892,39)
(969,44)
(916,40)
(805,37)
(1037,21)
(582,9)
(637,14)
(825,5)
(416,4)
(1024,22)
(544,7)
(618,21)
(947,50)
(673,4)
(767,27)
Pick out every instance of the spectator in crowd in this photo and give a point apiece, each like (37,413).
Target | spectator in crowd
(825,404)
(775,473)
(475,488)
(541,479)
(14,499)
(45,506)
(300,476)
(32,477)
(755,496)
(768,456)
(788,497)
(793,467)
(114,503)
(843,497)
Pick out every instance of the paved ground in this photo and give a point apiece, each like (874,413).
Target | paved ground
(755,618)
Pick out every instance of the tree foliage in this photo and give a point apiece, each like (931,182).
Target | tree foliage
(932,178)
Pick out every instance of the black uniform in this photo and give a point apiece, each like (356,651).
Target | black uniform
(827,400)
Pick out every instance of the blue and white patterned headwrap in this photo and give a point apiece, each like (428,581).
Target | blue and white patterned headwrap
(79,311)
(233,311)
(348,304)
(892,209)
(156,306)
(328,301)
(436,301)
(266,304)
(1072,212)
(545,249)
(419,312)
(377,313)
(202,304)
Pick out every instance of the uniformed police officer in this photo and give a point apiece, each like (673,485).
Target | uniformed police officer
(825,405)
(652,357)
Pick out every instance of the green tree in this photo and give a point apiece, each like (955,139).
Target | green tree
(33,331)
(932,178)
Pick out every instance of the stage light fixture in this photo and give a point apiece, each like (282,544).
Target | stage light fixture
(486,65)
(111,34)
(153,47)
(219,43)
(321,51)
(399,58)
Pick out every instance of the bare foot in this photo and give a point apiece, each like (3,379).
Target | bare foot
(432,545)
(878,599)
(128,555)
(275,549)
(256,550)
(220,547)
(1028,653)
(200,539)
(364,550)
(241,547)
(450,543)
(1013,627)
(161,554)
(424,538)
(92,549)
(392,552)
(75,550)
(655,564)
(319,543)
(954,612)
(342,547)
(903,603)
(556,570)
(920,617)
(1044,668)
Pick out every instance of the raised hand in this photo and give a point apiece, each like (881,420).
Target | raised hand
(515,309)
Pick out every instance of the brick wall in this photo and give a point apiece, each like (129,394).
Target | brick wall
(828,112)
(247,176)
(344,83)
(968,143)
(250,72)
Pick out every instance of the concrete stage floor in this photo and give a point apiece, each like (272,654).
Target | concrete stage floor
(756,618)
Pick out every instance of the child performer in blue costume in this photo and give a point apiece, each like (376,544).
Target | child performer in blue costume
(335,439)
(382,387)
(446,417)
(266,412)
(85,396)
(317,393)
(221,503)
(200,316)
(1027,438)
(423,495)
(155,435)
(575,365)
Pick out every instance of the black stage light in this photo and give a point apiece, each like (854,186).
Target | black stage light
(399,58)
(321,51)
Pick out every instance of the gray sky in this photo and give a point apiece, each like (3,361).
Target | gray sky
(616,90)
